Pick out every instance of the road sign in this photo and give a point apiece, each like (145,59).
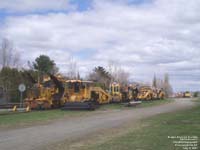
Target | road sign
(22,87)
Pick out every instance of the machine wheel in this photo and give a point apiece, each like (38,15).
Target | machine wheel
(46,105)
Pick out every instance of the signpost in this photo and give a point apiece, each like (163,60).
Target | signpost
(21,88)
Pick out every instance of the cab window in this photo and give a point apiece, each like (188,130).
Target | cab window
(116,88)
(76,87)
(70,85)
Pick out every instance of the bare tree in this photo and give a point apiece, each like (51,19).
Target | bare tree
(113,69)
(72,69)
(167,86)
(122,76)
(163,84)
(9,57)
(160,83)
(118,73)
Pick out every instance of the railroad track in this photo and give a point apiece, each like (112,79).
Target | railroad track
(9,105)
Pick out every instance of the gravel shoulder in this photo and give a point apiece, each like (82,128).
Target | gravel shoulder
(35,137)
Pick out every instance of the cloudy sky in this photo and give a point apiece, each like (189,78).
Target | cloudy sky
(145,37)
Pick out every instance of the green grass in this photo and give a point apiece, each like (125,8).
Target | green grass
(196,100)
(35,117)
(143,104)
(155,102)
(154,132)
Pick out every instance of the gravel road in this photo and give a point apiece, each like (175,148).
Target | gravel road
(34,137)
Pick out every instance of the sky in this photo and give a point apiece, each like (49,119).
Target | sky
(145,37)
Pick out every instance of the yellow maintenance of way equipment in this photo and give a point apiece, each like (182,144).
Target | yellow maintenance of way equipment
(46,95)
(148,93)
(81,91)
(187,94)
(123,93)
(161,94)
(115,92)
(84,95)
(158,93)
(57,92)
(145,93)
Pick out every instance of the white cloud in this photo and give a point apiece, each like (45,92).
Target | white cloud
(147,38)
(34,5)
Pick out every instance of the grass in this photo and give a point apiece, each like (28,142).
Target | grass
(196,99)
(155,102)
(143,104)
(38,117)
(35,117)
(154,132)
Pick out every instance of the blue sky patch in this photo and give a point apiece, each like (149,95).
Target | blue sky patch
(84,54)
(139,1)
(82,5)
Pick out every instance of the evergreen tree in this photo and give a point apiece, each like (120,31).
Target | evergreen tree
(100,75)
(78,76)
(154,84)
(44,65)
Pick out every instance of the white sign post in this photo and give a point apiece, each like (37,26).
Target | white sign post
(21,88)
